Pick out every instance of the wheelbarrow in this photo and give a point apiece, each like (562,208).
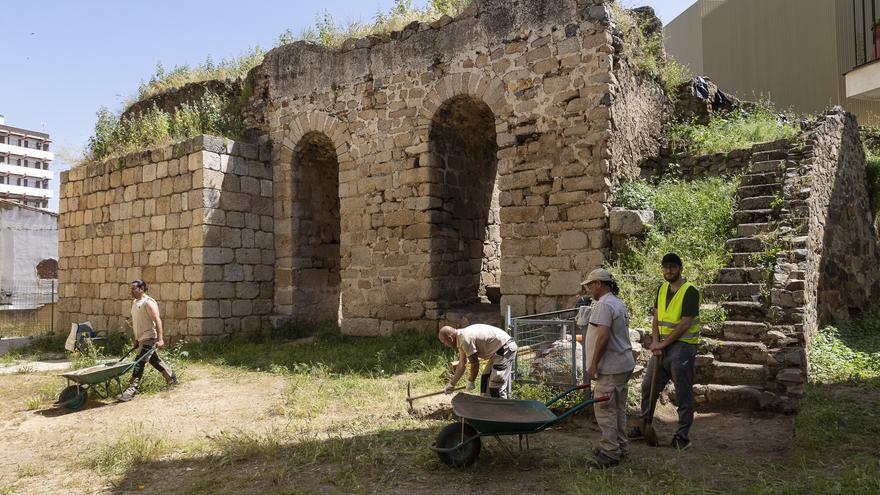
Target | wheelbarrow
(98,379)
(458,444)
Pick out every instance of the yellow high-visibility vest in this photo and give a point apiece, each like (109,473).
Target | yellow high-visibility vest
(668,317)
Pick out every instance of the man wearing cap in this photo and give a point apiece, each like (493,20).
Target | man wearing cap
(481,341)
(610,360)
(675,333)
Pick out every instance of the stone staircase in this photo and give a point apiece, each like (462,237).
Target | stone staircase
(735,366)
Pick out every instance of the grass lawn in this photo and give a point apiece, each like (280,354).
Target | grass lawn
(328,416)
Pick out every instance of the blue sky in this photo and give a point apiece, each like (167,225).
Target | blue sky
(66,59)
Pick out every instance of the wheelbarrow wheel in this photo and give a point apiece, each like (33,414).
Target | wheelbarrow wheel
(450,436)
(72,397)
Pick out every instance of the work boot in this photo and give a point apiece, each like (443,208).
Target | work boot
(602,461)
(130,392)
(171,380)
(680,443)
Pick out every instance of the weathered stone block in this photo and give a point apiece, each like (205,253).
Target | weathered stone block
(630,222)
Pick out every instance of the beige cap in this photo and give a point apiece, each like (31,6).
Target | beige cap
(597,274)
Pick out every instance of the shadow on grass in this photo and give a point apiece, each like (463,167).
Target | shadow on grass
(386,461)
(402,352)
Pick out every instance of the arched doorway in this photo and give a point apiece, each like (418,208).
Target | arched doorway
(466,245)
(315,229)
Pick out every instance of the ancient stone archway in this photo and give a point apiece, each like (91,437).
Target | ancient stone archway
(466,246)
(315,229)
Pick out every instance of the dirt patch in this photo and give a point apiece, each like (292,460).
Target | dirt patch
(45,448)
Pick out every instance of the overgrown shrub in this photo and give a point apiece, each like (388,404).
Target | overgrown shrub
(230,68)
(645,50)
(325,31)
(740,128)
(212,114)
(692,218)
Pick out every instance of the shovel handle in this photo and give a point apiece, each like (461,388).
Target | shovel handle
(410,399)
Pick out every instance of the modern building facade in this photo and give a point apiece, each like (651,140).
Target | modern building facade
(798,53)
(24,166)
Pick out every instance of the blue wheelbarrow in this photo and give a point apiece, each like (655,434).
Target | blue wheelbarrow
(98,379)
(458,444)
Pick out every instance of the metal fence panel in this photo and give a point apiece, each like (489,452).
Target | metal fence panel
(27,307)
(551,350)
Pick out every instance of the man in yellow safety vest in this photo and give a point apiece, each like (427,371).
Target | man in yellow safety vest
(674,338)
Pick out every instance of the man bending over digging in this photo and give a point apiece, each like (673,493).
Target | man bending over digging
(481,341)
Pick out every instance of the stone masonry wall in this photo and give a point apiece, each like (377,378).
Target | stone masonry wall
(842,254)
(470,152)
(640,114)
(193,220)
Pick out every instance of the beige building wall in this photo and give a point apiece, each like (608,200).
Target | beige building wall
(683,38)
(793,51)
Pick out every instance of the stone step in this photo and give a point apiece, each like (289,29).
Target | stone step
(740,275)
(779,144)
(731,292)
(721,373)
(742,260)
(768,166)
(750,229)
(713,397)
(743,331)
(752,216)
(744,311)
(775,154)
(731,351)
(744,245)
(756,203)
(761,178)
(759,190)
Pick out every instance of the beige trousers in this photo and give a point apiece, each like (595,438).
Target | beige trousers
(611,414)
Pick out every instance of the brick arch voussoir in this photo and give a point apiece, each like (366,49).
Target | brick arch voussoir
(318,121)
(481,86)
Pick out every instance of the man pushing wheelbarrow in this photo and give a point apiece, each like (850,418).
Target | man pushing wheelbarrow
(147,327)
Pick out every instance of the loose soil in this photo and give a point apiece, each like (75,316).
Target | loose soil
(44,449)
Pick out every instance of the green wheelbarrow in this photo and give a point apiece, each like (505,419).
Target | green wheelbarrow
(458,444)
(99,379)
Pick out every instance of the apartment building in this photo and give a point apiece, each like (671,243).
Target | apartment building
(805,55)
(24,166)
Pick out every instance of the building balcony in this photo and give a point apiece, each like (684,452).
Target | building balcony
(863,80)
(25,192)
(9,149)
(7,169)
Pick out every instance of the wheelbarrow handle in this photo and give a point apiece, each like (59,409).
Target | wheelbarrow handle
(152,348)
(127,353)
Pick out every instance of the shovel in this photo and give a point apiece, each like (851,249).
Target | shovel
(410,398)
(648,428)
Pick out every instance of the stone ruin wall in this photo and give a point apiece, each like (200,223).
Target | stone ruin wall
(194,220)
(842,245)
(472,153)
(456,163)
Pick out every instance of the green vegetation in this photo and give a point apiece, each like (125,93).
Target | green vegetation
(646,50)
(325,31)
(848,352)
(217,115)
(132,447)
(871,142)
(232,68)
(692,218)
(740,128)
(330,353)
(212,114)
